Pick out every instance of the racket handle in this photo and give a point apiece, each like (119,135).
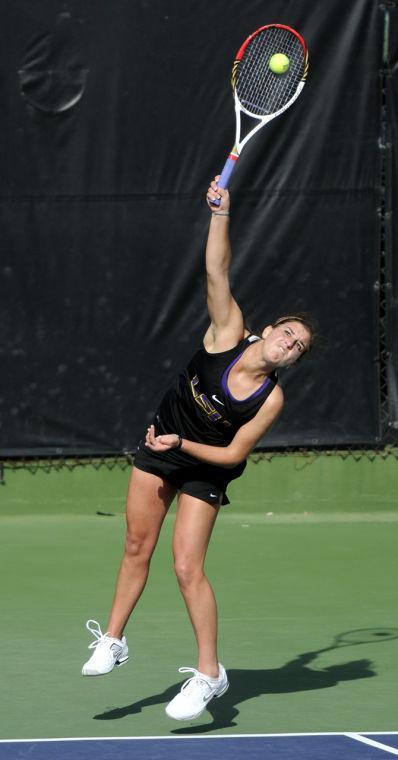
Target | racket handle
(229,166)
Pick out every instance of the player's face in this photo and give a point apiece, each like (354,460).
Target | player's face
(285,343)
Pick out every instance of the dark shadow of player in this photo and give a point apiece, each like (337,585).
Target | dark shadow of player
(247,684)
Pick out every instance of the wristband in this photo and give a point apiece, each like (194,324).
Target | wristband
(179,444)
(220,213)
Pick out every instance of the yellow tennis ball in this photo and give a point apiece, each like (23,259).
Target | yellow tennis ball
(279,63)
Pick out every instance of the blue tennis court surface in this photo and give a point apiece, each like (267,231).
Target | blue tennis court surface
(349,746)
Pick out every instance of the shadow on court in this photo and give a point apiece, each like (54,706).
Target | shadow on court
(246,684)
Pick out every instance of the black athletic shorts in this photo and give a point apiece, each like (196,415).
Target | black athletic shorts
(204,481)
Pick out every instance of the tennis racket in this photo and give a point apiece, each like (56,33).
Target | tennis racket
(259,92)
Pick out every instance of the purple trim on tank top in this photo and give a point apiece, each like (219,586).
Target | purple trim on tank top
(224,383)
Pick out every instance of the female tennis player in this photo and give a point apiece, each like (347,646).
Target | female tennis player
(220,406)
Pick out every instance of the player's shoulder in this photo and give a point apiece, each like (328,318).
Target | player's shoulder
(276,396)
(268,412)
(273,404)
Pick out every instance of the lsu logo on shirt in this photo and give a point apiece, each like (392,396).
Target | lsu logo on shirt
(206,406)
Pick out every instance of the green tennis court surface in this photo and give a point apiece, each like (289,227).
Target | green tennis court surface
(287,583)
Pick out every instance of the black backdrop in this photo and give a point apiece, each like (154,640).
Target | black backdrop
(117,115)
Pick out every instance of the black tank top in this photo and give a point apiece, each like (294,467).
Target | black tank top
(200,406)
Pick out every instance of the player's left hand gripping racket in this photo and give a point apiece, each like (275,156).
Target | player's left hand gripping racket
(259,92)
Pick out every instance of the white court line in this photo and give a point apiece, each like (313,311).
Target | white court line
(373,743)
(356,736)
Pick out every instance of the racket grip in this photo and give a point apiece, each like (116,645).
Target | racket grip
(223,182)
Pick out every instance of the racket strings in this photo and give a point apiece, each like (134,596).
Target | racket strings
(259,90)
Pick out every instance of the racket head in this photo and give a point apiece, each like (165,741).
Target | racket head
(366,636)
(258,90)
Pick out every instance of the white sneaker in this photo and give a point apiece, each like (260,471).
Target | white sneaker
(108,652)
(196,694)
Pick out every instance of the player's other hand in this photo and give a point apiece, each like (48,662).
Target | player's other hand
(160,442)
(217,193)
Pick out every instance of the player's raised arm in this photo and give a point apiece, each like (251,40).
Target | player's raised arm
(226,320)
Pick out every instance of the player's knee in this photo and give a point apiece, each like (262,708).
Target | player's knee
(138,546)
(187,572)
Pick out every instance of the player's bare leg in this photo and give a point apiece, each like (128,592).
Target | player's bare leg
(193,528)
(194,524)
(148,501)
